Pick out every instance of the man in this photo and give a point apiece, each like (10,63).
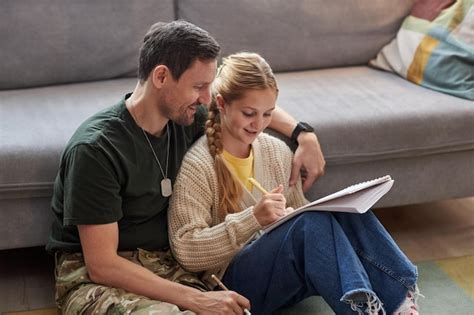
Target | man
(111,193)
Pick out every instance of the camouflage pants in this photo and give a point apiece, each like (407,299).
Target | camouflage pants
(77,294)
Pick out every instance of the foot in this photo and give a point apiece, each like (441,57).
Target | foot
(409,306)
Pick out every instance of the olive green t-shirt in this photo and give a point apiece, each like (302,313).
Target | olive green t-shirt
(108,174)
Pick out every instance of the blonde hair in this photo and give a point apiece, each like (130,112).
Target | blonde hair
(238,73)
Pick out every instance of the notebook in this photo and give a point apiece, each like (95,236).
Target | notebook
(356,198)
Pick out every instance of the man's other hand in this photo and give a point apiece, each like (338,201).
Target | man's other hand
(309,158)
(219,302)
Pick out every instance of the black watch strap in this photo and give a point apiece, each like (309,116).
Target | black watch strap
(300,127)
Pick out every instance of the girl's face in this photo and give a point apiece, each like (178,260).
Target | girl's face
(244,119)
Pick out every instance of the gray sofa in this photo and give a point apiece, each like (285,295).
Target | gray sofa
(63,60)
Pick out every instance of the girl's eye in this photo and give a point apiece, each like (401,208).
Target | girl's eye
(267,114)
(248,114)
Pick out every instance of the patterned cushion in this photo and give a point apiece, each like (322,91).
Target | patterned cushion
(435,47)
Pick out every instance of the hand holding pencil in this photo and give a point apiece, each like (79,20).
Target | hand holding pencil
(257,185)
(223,287)
(271,206)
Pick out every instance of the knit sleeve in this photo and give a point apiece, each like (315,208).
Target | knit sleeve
(294,195)
(284,158)
(198,239)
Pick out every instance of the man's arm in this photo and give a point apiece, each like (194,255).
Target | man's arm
(308,155)
(100,243)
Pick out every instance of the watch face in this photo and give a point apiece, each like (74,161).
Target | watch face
(306,127)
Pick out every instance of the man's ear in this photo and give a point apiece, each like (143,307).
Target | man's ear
(220,102)
(159,75)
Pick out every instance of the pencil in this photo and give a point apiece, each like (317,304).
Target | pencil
(223,287)
(257,185)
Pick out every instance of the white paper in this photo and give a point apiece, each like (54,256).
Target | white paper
(358,198)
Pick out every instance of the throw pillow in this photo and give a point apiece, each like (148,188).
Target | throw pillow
(434,47)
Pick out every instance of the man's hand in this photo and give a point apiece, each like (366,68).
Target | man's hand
(308,157)
(99,243)
(219,302)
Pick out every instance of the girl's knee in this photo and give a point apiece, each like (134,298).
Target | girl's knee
(314,221)
(315,216)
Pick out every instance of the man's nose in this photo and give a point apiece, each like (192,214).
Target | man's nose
(205,96)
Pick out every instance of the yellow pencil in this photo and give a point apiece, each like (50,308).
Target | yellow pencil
(257,185)
(223,287)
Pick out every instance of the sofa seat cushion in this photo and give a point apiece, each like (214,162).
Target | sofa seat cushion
(37,123)
(362,114)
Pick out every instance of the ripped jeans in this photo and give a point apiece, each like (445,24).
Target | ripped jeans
(348,259)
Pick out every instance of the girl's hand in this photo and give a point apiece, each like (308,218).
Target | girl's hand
(271,207)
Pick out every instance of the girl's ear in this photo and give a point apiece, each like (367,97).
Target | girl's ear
(220,103)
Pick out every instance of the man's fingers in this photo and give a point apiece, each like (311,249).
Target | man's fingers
(295,172)
(243,302)
(310,177)
(230,303)
(308,181)
(308,155)
(237,302)
(236,308)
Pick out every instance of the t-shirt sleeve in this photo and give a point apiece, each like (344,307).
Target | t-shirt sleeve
(91,187)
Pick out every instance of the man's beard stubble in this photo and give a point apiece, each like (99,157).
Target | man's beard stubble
(168,110)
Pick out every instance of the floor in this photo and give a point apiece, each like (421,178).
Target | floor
(27,279)
(425,232)
(434,230)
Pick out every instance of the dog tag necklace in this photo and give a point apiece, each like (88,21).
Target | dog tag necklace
(166,187)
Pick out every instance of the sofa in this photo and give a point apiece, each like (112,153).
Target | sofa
(63,60)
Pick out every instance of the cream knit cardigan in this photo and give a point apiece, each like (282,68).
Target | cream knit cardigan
(200,241)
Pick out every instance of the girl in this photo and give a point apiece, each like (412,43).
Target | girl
(216,215)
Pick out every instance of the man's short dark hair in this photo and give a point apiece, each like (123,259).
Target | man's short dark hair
(176,45)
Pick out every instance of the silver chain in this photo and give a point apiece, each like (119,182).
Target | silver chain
(165,175)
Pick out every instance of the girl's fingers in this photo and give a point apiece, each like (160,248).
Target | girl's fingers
(277,190)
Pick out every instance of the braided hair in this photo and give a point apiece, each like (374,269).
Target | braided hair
(238,73)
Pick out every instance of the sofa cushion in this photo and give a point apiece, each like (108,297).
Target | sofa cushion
(435,47)
(299,35)
(361,114)
(62,41)
(36,125)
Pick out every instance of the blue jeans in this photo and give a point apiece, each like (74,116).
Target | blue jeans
(339,256)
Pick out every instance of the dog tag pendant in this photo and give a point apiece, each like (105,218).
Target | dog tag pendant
(166,188)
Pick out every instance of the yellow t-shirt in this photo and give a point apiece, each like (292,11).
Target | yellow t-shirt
(241,168)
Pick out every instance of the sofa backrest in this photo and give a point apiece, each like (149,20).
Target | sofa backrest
(66,41)
(300,34)
(61,41)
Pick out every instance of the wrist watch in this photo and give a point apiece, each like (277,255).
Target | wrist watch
(300,127)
